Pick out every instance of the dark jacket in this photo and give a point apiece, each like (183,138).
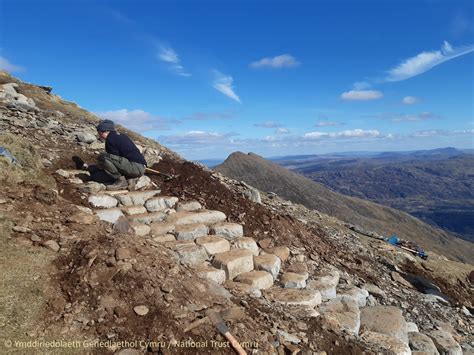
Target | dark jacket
(119,144)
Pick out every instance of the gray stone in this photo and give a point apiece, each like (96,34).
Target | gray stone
(445,342)
(110,215)
(159,228)
(422,343)
(102,201)
(160,203)
(357,294)
(141,310)
(191,253)
(245,243)
(257,279)
(341,315)
(412,327)
(294,297)
(293,280)
(213,244)
(287,337)
(133,210)
(253,194)
(148,218)
(390,344)
(386,320)
(164,238)
(374,290)
(52,245)
(190,231)
(85,137)
(328,291)
(228,230)
(203,216)
(140,229)
(234,262)
(93,188)
(208,272)
(189,206)
(268,262)
(136,197)
(139,183)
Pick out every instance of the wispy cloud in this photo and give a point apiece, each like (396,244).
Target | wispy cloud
(402,117)
(328,124)
(10,67)
(350,133)
(195,138)
(223,84)
(410,100)
(425,61)
(442,133)
(168,55)
(361,95)
(137,120)
(282,130)
(268,124)
(277,62)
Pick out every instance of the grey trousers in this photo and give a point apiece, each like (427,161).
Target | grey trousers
(116,166)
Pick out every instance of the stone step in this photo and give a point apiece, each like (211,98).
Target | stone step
(269,263)
(160,203)
(102,201)
(148,218)
(159,228)
(164,238)
(191,254)
(206,217)
(257,279)
(234,262)
(245,243)
(140,229)
(116,192)
(136,197)
(325,282)
(387,320)
(227,230)
(283,252)
(69,173)
(206,271)
(110,215)
(213,244)
(341,315)
(133,210)
(293,280)
(294,297)
(190,231)
(355,293)
(189,206)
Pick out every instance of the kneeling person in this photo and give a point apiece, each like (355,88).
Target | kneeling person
(122,160)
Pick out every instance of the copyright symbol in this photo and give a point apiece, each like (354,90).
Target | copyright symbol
(8,343)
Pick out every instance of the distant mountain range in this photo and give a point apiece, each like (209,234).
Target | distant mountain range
(434,185)
(269,176)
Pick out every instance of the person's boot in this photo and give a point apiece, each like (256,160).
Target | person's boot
(119,184)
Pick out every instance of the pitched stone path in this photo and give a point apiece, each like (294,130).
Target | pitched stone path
(218,250)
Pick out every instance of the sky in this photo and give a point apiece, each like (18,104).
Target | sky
(207,78)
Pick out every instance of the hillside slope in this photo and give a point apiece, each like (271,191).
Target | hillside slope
(268,176)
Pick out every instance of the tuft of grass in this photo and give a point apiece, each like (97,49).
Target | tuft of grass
(29,168)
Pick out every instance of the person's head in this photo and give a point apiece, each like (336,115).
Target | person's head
(104,128)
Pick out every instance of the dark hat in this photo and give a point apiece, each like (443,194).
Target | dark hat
(106,125)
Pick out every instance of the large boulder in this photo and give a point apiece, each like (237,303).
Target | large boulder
(445,342)
(386,320)
(422,343)
(341,315)
(391,345)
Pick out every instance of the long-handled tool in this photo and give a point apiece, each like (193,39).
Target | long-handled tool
(217,320)
(166,176)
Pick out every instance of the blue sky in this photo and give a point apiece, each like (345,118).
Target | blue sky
(207,78)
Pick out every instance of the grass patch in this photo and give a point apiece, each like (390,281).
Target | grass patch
(29,168)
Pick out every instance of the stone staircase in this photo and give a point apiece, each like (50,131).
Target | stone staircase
(219,251)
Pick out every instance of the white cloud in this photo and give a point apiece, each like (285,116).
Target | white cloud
(361,95)
(282,130)
(9,67)
(198,138)
(223,84)
(280,61)
(168,55)
(442,133)
(352,133)
(328,124)
(410,100)
(268,124)
(425,61)
(136,120)
(402,117)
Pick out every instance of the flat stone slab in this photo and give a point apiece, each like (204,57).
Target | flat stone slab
(328,291)
(160,203)
(341,315)
(299,268)
(282,252)
(228,230)
(140,229)
(188,206)
(148,218)
(110,215)
(390,344)
(164,238)
(357,294)
(246,243)
(234,262)
(257,279)
(136,197)
(386,320)
(445,342)
(213,244)
(422,343)
(240,289)
(190,231)
(293,280)
(159,228)
(191,253)
(328,277)
(294,297)
(208,272)
(132,210)
(206,217)
(71,172)
(116,192)
(269,263)
(102,201)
